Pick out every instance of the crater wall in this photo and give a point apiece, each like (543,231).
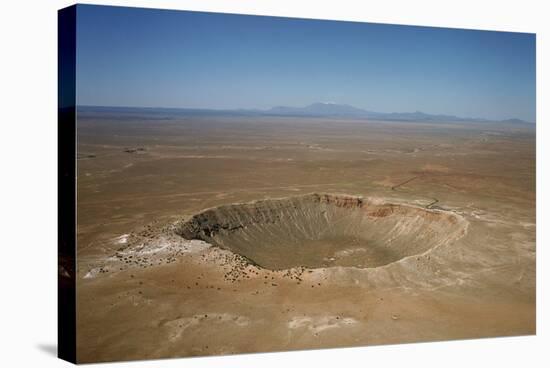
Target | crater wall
(323,230)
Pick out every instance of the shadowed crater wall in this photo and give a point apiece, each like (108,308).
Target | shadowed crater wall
(323,230)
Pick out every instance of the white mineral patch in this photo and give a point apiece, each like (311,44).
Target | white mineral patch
(319,324)
(195,246)
(151,248)
(178,326)
(349,252)
(163,245)
(92,273)
(123,239)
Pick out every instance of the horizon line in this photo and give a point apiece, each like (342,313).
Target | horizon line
(237,109)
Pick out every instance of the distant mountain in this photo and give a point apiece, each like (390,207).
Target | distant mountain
(327,109)
(516,121)
(318,109)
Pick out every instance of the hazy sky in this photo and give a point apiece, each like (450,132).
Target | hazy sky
(157,58)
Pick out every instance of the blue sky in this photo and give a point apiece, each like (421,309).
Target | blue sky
(161,58)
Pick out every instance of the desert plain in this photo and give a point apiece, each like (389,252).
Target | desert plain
(208,235)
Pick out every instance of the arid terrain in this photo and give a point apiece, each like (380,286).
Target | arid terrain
(204,235)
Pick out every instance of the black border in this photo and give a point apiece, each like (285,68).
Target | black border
(66,185)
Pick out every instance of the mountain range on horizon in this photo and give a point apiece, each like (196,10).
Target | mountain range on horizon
(319,109)
(344,110)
